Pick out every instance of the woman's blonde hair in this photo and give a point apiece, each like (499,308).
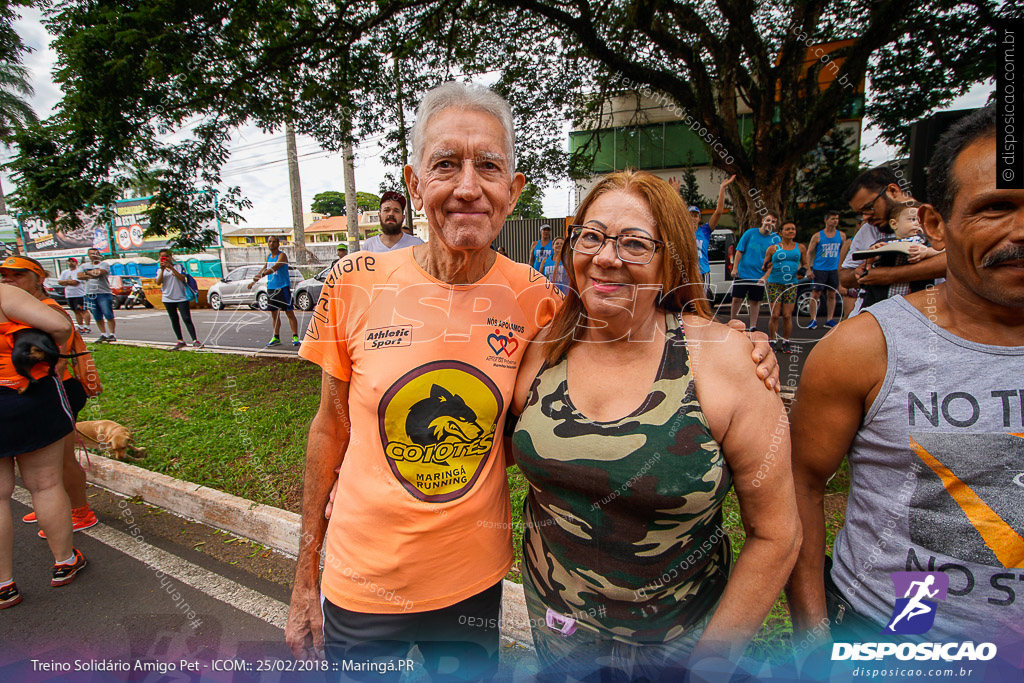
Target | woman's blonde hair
(682,287)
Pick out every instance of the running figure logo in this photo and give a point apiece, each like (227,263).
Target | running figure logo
(914,613)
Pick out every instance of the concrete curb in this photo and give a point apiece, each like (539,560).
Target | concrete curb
(273,527)
(224,350)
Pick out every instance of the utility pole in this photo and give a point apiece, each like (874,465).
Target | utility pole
(351,210)
(298,230)
(403,144)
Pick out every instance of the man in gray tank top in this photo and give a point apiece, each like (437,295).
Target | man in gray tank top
(926,396)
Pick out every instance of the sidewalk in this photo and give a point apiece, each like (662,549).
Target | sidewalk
(270,526)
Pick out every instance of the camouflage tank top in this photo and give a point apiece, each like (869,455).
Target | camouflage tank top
(623,521)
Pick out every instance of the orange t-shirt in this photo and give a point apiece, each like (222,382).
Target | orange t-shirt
(52,303)
(421,519)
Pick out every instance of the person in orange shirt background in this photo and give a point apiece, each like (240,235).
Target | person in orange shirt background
(28,274)
(35,422)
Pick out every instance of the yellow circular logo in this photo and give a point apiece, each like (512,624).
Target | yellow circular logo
(437,425)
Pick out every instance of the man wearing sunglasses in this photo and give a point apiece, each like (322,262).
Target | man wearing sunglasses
(873,195)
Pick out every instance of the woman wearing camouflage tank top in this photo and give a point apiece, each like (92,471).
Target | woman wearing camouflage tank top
(637,414)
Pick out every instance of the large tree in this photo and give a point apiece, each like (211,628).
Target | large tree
(332,202)
(133,71)
(15,111)
(716,61)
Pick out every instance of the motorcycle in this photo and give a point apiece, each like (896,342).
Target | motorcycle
(136,296)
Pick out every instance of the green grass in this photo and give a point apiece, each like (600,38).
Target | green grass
(228,422)
(240,424)
(231,423)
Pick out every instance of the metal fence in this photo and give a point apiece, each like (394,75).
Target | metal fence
(315,254)
(517,236)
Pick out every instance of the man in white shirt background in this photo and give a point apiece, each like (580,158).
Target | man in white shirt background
(873,195)
(74,292)
(391,237)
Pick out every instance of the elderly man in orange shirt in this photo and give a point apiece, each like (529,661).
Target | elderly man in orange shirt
(419,349)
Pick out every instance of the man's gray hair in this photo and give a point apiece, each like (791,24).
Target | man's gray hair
(461,96)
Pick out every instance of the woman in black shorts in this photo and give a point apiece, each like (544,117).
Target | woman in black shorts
(28,274)
(32,430)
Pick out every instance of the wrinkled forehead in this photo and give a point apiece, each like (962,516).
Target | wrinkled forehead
(465,133)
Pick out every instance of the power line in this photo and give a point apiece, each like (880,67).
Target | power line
(309,156)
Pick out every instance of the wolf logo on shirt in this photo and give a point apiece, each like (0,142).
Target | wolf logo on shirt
(437,426)
(442,416)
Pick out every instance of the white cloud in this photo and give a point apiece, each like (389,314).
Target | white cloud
(874,151)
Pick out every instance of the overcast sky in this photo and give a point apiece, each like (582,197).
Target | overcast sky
(258,166)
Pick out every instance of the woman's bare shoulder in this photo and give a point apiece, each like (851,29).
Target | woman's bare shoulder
(701,329)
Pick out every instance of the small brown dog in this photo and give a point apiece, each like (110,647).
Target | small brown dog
(108,436)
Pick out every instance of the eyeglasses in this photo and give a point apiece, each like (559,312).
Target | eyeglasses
(628,248)
(869,208)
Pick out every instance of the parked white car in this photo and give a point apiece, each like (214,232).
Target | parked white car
(233,289)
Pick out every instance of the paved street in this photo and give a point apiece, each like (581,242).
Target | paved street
(231,328)
(249,330)
(149,596)
(161,599)
(791,364)
(159,592)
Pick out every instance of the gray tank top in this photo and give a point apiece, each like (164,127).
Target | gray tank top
(937,481)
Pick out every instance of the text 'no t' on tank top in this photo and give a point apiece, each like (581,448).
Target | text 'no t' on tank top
(622,521)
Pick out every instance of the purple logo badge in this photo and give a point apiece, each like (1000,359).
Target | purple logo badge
(916,596)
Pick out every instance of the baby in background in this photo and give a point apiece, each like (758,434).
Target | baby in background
(904,223)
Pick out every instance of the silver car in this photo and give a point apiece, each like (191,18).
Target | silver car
(233,289)
(307,293)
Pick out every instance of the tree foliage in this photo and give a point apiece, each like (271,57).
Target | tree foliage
(824,174)
(332,203)
(135,72)
(12,47)
(690,190)
(531,202)
(15,111)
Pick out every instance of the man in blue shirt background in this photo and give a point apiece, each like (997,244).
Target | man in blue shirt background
(279,291)
(828,248)
(748,266)
(703,231)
